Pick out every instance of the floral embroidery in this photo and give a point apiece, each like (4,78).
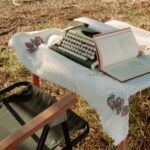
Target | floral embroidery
(117,104)
(34,44)
(125,110)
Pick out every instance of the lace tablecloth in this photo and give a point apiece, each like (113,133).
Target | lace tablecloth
(106,95)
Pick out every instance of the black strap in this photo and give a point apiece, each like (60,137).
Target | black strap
(24,83)
(12,97)
(73,119)
(22,122)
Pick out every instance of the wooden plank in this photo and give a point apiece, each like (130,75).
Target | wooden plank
(36,123)
(123,145)
(35,80)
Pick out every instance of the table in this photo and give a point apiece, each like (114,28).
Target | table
(122,146)
(58,69)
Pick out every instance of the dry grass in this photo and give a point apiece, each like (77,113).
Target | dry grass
(33,15)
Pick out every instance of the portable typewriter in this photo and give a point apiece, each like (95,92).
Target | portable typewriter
(78,45)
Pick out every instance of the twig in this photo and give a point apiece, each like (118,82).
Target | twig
(16,4)
(7,31)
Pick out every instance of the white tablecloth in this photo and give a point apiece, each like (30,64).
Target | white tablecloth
(106,95)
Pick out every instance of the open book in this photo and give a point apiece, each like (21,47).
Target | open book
(117,53)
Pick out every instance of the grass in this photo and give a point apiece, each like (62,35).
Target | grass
(45,14)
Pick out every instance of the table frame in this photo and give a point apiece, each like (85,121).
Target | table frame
(122,146)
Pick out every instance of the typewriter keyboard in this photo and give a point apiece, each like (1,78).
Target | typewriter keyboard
(78,48)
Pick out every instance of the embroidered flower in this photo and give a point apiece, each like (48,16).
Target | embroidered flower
(117,104)
(110,101)
(125,110)
(38,40)
(34,44)
(31,47)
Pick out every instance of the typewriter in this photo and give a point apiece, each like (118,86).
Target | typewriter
(78,45)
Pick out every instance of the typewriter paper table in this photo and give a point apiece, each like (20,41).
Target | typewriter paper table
(106,95)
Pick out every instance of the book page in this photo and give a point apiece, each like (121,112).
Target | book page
(129,69)
(116,46)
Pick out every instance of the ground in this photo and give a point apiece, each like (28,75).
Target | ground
(40,14)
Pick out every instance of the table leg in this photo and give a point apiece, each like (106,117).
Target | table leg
(35,80)
(123,145)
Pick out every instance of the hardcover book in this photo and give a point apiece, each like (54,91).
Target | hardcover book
(118,55)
